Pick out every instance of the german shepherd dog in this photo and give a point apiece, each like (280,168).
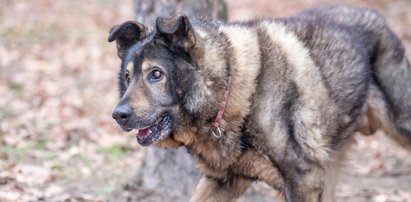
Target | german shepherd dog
(267,100)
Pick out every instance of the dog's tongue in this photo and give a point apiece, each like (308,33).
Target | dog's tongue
(143,133)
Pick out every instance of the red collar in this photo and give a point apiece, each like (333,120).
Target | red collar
(217,121)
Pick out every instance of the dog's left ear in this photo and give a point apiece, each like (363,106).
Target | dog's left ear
(125,35)
(177,31)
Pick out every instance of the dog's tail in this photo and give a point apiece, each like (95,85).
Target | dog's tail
(391,85)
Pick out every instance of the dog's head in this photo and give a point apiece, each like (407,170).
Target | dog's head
(158,76)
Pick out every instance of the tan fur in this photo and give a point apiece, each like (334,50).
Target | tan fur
(210,191)
(377,117)
(250,164)
(307,77)
(147,64)
(138,97)
(130,68)
(260,167)
(214,55)
(244,72)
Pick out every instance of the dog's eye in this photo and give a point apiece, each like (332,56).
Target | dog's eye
(127,77)
(155,76)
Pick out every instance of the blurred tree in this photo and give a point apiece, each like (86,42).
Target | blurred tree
(148,10)
(171,175)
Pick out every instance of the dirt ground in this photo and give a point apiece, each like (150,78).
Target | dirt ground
(58,87)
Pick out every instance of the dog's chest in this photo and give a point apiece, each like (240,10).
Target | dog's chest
(249,165)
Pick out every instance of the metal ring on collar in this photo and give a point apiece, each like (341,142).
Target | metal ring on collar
(218,133)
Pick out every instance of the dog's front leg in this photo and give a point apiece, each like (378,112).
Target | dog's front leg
(211,190)
(304,182)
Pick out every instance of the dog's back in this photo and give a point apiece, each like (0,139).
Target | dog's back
(389,94)
(358,60)
(388,105)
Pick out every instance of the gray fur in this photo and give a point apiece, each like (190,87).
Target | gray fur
(301,86)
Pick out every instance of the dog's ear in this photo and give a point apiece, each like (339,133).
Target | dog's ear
(177,31)
(125,35)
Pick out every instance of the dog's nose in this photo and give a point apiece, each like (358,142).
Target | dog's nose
(122,113)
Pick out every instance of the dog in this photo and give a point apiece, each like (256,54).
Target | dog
(272,100)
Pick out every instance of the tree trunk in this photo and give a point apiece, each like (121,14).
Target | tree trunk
(148,10)
(171,175)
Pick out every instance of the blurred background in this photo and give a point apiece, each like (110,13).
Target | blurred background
(58,87)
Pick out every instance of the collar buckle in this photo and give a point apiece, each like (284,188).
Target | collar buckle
(216,132)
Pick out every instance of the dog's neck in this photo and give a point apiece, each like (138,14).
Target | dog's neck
(217,132)
(233,53)
(240,55)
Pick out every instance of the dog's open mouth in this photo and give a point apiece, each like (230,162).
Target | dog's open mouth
(147,136)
